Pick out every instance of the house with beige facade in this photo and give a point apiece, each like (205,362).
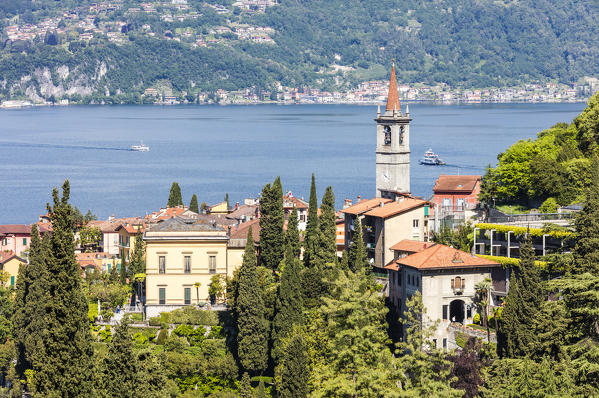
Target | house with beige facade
(385,222)
(446,278)
(181,253)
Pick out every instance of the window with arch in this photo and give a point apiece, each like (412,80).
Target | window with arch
(387,130)
(401,131)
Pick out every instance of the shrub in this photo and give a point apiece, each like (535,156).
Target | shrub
(183,330)
(165,317)
(162,336)
(105,334)
(549,206)
(461,339)
(476,319)
(106,315)
(197,336)
(175,343)
(92,312)
(216,332)
(155,321)
(140,338)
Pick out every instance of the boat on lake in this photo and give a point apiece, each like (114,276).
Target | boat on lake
(431,159)
(140,148)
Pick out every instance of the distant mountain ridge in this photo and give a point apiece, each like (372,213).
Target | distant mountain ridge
(113,55)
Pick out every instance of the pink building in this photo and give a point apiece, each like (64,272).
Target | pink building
(15,238)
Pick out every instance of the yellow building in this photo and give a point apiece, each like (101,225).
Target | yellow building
(127,233)
(220,208)
(9,264)
(179,254)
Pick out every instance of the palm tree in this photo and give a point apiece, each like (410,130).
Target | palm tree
(482,298)
(197,285)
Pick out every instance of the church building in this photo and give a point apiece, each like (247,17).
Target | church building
(393,214)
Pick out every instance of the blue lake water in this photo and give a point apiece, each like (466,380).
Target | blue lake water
(211,150)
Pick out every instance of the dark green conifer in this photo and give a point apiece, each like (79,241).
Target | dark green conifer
(30,299)
(245,387)
(357,257)
(227,200)
(292,236)
(193,204)
(120,366)
(272,218)
(517,336)
(292,374)
(63,368)
(586,251)
(137,264)
(326,252)
(312,233)
(289,303)
(252,337)
(175,199)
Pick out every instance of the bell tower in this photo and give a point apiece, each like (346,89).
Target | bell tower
(392,145)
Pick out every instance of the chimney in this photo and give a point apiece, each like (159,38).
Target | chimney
(359,197)
(347,203)
(236,205)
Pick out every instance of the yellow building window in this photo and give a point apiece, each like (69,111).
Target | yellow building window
(187,264)
(212,264)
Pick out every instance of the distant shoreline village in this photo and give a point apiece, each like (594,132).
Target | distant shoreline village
(367,93)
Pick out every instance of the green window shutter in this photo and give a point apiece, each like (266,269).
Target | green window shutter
(426,210)
(12,280)
(24,241)
(162,295)
(187,295)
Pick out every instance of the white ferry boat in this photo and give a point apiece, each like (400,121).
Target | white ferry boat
(431,159)
(140,148)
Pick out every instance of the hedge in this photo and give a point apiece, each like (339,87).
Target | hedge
(510,261)
(519,231)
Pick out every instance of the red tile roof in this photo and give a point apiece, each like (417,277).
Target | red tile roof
(447,183)
(393,96)
(9,255)
(132,229)
(22,229)
(241,231)
(365,205)
(409,245)
(395,208)
(442,257)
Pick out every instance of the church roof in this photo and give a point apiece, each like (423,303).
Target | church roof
(393,97)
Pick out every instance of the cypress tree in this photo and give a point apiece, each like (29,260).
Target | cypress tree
(516,335)
(137,264)
(586,251)
(272,219)
(311,236)
(292,236)
(252,337)
(227,200)
(175,199)
(65,366)
(293,373)
(30,300)
(193,204)
(119,368)
(327,245)
(245,387)
(289,303)
(357,257)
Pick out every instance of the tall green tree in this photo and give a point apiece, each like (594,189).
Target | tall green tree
(326,251)
(119,369)
(175,199)
(357,257)
(311,236)
(30,299)
(516,336)
(586,250)
(227,199)
(292,373)
(272,218)
(63,368)
(289,303)
(359,362)
(193,204)
(292,236)
(252,337)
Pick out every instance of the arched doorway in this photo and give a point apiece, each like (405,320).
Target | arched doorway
(456,311)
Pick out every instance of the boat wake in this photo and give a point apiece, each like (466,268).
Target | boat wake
(60,146)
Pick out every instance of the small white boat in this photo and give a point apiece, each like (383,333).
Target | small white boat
(431,159)
(140,148)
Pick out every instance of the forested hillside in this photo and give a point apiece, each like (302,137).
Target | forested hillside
(205,46)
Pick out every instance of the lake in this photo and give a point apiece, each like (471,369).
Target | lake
(211,150)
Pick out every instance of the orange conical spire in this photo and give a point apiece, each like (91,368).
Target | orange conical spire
(393,97)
